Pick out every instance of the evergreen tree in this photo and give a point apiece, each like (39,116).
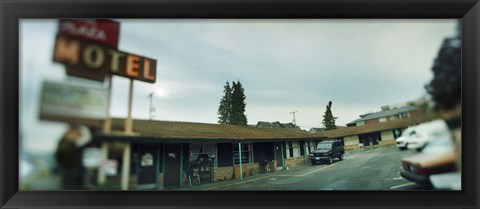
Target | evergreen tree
(445,87)
(225,107)
(238,105)
(328,119)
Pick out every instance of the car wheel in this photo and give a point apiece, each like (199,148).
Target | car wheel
(330,160)
(420,148)
(340,157)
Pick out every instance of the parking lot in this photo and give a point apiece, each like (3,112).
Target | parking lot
(368,169)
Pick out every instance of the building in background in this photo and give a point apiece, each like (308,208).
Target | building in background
(383,127)
(394,112)
(276,124)
(316,130)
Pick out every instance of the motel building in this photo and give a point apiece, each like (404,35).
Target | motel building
(157,155)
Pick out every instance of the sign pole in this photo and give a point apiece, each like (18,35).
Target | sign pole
(106,129)
(126,150)
(128,122)
(107,125)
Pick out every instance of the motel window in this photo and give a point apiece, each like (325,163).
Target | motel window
(360,123)
(309,147)
(397,133)
(247,153)
(381,120)
(293,149)
(404,115)
(202,153)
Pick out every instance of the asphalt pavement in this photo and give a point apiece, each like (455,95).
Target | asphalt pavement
(375,168)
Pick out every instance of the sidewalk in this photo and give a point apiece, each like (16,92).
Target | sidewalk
(225,184)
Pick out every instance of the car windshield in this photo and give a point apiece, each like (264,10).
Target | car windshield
(408,132)
(324,146)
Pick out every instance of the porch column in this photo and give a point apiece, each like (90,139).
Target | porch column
(103,158)
(157,171)
(139,160)
(181,165)
(240,160)
(283,157)
(305,152)
(126,166)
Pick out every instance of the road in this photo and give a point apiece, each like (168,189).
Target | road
(369,169)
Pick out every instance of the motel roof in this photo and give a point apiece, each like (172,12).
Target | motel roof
(189,131)
(155,131)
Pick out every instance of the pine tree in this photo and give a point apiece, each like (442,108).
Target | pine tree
(328,119)
(445,87)
(225,107)
(238,105)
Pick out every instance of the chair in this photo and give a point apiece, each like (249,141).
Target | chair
(191,174)
(264,165)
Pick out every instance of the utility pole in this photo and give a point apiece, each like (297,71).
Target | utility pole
(152,109)
(294,121)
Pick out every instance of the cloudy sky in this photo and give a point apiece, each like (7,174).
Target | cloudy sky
(284,65)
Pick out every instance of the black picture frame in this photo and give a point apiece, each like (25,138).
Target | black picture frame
(13,10)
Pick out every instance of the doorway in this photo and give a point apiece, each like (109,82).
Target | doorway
(278,154)
(172,165)
(148,165)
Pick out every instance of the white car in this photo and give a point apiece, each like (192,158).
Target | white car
(417,137)
(401,141)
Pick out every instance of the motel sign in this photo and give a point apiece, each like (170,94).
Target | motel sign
(94,57)
(103,31)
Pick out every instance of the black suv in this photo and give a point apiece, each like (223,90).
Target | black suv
(326,151)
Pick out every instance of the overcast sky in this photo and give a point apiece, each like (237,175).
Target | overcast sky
(284,65)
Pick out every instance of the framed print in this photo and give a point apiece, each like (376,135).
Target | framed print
(239,104)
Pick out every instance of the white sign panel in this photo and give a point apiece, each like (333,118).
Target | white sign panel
(147,160)
(91,157)
(110,167)
(64,102)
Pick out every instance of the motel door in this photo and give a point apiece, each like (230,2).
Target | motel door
(374,139)
(172,165)
(366,140)
(148,166)
(278,153)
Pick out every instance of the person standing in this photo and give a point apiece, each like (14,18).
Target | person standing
(69,156)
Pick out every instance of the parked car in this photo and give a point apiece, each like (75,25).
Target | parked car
(401,141)
(417,137)
(437,157)
(326,151)
(447,181)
